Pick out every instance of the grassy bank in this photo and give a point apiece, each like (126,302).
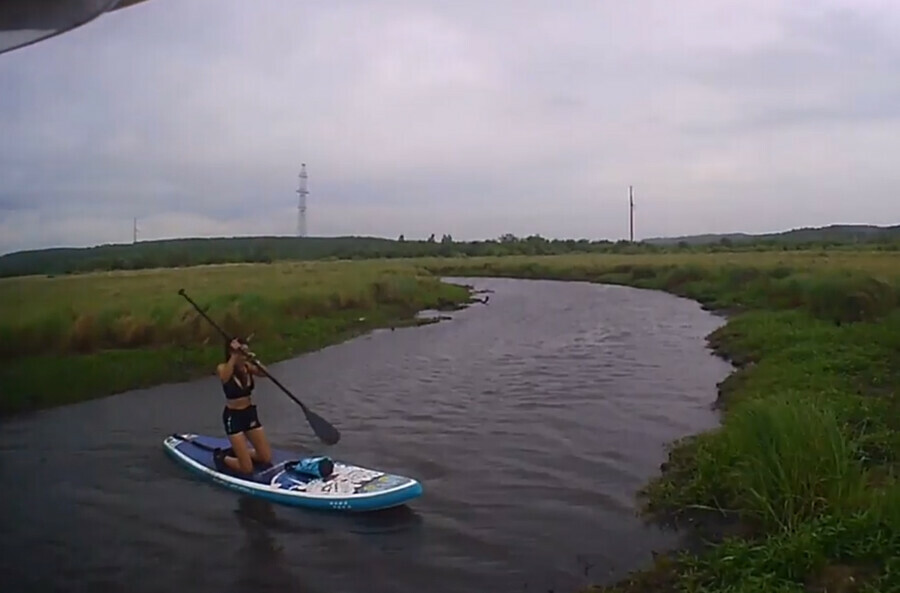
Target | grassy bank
(801,478)
(66,339)
(798,490)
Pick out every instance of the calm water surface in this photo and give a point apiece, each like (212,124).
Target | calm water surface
(531,421)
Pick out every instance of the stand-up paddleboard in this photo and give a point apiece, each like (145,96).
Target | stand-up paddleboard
(345,488)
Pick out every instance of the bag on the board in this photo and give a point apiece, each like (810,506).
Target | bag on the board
(321,467)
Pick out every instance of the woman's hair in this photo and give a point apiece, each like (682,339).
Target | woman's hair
(228,347)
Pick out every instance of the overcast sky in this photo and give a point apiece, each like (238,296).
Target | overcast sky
(463,117)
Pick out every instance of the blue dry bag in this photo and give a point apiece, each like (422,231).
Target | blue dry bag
(321,467)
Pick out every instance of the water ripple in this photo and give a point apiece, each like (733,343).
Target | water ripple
(531,422)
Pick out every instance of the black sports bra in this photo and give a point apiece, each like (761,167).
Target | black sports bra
(233,389)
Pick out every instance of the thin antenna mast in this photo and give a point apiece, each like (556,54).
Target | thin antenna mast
(134,239)
(631,212)
(301,206)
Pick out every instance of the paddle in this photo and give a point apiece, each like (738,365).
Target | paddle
(327,433)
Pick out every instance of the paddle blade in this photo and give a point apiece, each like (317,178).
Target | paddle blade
(327,433)
(323,429)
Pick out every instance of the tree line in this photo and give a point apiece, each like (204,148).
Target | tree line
(199,251)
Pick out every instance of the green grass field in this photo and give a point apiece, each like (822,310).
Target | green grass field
(69,338)
(818,280)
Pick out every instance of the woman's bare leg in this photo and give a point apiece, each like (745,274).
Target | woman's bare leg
(262,453)
(243,461)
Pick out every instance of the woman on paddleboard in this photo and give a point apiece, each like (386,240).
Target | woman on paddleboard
(239,416)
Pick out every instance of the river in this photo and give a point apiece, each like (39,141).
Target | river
(531,421)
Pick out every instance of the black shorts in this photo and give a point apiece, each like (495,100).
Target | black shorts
(238,421)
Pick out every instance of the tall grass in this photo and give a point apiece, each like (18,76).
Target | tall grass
(843,288)
(83,314)
(777,463)
(69,338)
(791,463)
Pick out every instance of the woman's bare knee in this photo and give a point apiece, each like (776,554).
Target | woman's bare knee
(262,451)
(246,464)
(242,454)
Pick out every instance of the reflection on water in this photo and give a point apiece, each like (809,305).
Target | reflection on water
(261,552)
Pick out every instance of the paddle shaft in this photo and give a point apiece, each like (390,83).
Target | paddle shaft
(319,424)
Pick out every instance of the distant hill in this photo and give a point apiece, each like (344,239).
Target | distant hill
(199,251)
(836,233)
(186,252)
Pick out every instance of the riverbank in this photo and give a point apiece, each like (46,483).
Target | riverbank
(798,489)
(72,338)
(802,475)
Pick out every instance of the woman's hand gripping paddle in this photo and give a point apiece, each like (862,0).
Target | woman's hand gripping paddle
(327,433)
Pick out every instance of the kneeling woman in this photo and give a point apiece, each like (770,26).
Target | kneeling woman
(239,416)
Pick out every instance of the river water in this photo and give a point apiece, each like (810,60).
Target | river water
(531,422)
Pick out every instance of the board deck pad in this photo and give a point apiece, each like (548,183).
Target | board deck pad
(348,488)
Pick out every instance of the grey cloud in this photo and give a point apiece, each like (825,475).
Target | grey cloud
(469,118)
(830,67)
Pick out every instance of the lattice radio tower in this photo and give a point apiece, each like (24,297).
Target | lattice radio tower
(301,206)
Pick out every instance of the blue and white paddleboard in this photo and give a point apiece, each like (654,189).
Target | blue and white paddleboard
(347,488)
